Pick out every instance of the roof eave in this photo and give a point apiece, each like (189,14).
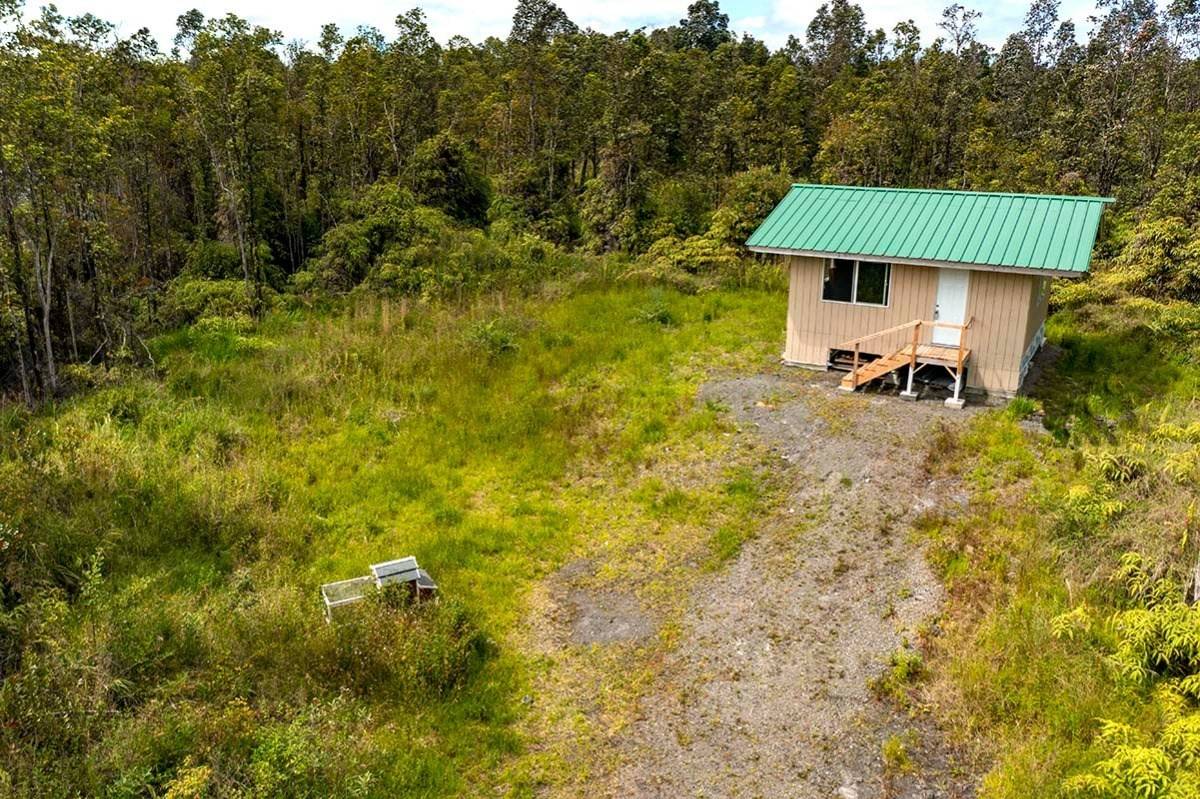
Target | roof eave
(1033,195)
(1020,270)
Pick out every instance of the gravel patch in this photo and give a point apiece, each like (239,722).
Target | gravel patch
(768,692)
(607,617)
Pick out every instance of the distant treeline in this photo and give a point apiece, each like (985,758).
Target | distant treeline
(127,173)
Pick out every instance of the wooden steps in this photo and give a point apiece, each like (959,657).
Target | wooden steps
(875,369)
(949,357)
(914,355)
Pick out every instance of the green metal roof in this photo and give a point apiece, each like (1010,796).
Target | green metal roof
(999,231)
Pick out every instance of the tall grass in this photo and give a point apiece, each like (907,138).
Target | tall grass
(1025,669)
(162,538)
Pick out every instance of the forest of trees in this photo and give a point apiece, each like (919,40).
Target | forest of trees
(129,175)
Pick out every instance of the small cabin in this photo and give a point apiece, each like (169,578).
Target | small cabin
(892,283)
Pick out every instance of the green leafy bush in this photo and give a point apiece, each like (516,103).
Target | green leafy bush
(718,255)
(187,300)
(1138,768)
(896,751)
(1085,509)
(1160,261)
(1158,647)
(748,199)
(444,175)
(384,216)
(656,312)
(493,337)
(905,667)
(213,260)
(679,207)
(695,255)
(393,245)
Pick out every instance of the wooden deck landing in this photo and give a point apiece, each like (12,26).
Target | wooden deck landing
(932,353)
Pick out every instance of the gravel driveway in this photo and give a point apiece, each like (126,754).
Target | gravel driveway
(768,693)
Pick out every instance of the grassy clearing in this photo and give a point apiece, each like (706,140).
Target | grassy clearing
(164,537)
(1029,666)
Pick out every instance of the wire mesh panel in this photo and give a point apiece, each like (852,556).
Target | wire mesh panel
(344,592)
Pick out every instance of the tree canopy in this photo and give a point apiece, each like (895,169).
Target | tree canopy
(121,164)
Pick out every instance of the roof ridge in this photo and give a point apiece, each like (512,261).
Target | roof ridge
(1082,197)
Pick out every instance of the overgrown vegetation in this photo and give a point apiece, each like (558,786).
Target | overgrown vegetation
(133,172)
(1068,645)
(240,307)
(162,536)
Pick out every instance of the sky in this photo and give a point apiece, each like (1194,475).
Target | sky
(769,20)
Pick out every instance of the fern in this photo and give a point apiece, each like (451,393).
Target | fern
(1073,623)
(1087,508)
(1181,740)
(1129,772)
(1158,645)
(1122,467)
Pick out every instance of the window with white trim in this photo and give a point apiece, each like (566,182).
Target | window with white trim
(858,282)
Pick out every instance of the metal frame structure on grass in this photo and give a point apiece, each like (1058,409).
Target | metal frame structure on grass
(403,571)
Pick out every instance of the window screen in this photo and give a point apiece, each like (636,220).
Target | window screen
(873,279)
(839,280)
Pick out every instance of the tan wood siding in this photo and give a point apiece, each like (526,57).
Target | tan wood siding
(1001,303)
(815,326)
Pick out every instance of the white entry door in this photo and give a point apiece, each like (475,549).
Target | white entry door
(951,305)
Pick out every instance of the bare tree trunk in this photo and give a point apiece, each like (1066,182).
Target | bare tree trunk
(19,285)
(390,115)
(71,324)
(43,274)
(18,277)
(26,387)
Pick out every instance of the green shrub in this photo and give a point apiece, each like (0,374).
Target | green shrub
(392,245)
(213,260)
(656,312)
(1085,510)
(1157,647)
(493,337)
(896,751)
(905,667)
(406,648)
(679,207)
(1023,407)
(694,255)
(748,198)
(444,174)
(1122,466)
(384,216)
(187,300)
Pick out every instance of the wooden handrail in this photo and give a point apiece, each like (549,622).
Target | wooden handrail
(962,347)
(851,343)
(845,345)
(963,326)
(856,343)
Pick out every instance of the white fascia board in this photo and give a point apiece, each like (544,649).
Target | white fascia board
(1020,270)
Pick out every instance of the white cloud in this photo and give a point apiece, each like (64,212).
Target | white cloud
(772,20)
(475,19)
(1000,17)
(748,23)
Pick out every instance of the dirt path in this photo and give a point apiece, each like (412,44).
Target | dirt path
(767,693)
